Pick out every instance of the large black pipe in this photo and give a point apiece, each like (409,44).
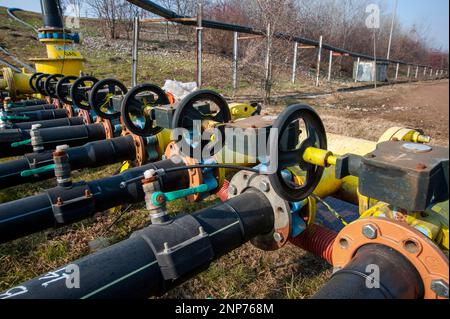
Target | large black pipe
(139,268)
(27,103)
(51,14)
(168,14)
(41,115)
(50,137)
(65,121)
(32,108)
(65,205)
(94,154)
(394,277)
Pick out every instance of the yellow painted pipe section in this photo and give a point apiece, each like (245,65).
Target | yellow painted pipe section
(61,58)
(404,134)
(3,84)
(15,83)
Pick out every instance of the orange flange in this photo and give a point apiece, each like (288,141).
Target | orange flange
(430,262)
(109,130)
(195,175)
(85,115)
(69,109)
(139,145)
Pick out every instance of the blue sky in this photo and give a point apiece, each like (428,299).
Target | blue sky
(434,13)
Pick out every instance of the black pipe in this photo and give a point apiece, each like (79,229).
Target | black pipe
(32,108)
(168,14)
(27,103)
(65,121)
(398,278)
(139,267)
(51,14)
(94,154)
(50,138)
(65,205)
(41,115)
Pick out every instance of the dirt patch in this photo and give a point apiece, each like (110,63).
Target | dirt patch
(368,113)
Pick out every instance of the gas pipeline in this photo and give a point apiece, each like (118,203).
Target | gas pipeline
(402,226)
(140,148)
(270,197)
(204,106)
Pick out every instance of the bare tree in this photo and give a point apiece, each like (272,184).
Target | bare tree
(108,12)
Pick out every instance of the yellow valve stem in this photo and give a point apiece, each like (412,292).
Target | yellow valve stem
(319,157)
(420,138)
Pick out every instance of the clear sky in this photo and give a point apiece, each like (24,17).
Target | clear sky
(433,13)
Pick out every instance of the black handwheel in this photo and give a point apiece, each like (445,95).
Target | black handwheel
(201,106)
(79,92)
(135,106)
(296,128)
(50,84)
(62,89)
(32,80)
(40,80)
(100,97)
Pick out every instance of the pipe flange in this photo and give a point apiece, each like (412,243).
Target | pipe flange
(195,175)
(282,211)
(68,109)
(85,115)
(109,129)
(8,75)
(430,262)
(139,145)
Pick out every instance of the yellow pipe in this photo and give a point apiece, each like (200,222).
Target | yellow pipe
(3,84)
(15,83)
(61,58)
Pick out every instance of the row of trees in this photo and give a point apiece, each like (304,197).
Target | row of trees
(342,23)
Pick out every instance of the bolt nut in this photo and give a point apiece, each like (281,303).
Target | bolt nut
(62,148)
(264,186)
(440,287)
(370,231)
(149,173)
(278,237)
(232,190)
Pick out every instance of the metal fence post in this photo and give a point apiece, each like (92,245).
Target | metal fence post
(330,63)
(199,44)
(319,57)
(357,69)
(294,63)
(135,52)
(396,71)
(235,62)
(417,72)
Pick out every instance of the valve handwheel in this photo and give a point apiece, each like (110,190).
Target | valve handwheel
(80,90)
(62,89)
(298,127)
(50,84)
(188,111)
(39,84)
(136,107)
(100,97)
(32,81)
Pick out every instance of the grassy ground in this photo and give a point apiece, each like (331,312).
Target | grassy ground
(245,273)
